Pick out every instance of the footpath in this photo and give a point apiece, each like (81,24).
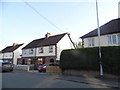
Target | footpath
(106,81)
(100,81)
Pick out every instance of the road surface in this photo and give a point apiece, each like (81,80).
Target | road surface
(22,79)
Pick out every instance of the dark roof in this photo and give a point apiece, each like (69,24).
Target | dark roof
(52,40)
(33,44)
(11,48)
(111,27)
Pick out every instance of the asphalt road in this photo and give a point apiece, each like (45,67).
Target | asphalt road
(22,79)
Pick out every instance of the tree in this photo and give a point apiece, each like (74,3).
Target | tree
(78,44)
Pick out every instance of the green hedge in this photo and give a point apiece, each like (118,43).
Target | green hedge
(88,59)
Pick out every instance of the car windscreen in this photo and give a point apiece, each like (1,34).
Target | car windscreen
(6,63)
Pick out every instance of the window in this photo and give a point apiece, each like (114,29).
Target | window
(40,50)
(91,42)
(118,38)
(24,52)
(29,61)
(50,49)
(109,40)
(40,61)
(113,39)
(31,51)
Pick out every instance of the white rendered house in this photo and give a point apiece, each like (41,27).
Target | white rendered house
(11,53)
(109,35)
(45,50)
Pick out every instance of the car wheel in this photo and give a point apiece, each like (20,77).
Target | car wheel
(39,70)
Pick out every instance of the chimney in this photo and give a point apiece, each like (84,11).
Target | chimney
(47,35)
(14,44)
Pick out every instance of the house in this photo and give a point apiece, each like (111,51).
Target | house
(47,49)
(109,35)
(11,53)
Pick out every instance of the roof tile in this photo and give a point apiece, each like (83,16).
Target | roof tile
(111,27)
(52,40)
(11,48)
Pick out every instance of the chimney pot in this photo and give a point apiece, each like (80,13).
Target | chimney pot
(14,44)
(47,35)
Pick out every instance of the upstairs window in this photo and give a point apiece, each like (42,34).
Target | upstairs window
(24,52)
(50,49)
(91,42)
(31,51)
(40,50)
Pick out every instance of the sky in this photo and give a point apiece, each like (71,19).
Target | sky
(19,23)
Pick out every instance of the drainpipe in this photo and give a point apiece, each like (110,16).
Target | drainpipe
(13,58)
(35,57)
(56,51)
(3,57)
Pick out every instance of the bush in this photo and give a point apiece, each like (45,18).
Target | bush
(88,59)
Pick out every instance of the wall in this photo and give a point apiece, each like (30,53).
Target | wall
(1,56)
(8,55)
(16,55)
(103,41)
(63,44)
(45,51)
(25,53)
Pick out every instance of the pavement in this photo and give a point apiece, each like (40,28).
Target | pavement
(93,81)
(106,80)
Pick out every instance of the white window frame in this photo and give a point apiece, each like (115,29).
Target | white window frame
(91,42)
(50,49)
(113,39)
(41,50)
(118,39)
(24,52)
(31,51)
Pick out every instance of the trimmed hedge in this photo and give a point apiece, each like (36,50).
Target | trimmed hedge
(88,59)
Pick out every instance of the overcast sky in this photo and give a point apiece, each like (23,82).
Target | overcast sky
(21,24)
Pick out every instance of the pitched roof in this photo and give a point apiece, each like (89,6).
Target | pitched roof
(11,48)
(52,40)
(33,44)
(111,27)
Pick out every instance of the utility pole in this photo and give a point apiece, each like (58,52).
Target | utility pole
(101,68)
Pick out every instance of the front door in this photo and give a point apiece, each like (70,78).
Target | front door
(40,61)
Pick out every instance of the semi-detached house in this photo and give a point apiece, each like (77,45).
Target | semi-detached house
(46,50)
(11,53)
(110,35)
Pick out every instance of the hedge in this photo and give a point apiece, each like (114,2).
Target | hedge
(88,59)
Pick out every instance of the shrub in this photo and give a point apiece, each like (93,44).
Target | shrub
(88,59)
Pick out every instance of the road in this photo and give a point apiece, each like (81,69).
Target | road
(22,79)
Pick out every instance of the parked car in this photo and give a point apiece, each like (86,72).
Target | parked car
(6,66)
(42,67)
(53,64)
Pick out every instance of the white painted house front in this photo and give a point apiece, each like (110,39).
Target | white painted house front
(11,53)
(46,49)
(110,35)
